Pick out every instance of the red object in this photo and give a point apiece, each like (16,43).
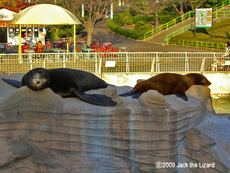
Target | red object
(24,48)
(106,55)
(113,49)
(9,45)
(47,45)
(109,44)
(95,44)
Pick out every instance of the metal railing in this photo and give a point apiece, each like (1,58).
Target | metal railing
(169,24)
(118,62)
(191,26)
(200,44)
(183,17)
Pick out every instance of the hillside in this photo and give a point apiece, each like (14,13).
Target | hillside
(220,33)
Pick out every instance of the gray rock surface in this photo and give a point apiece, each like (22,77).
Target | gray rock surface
(42,132)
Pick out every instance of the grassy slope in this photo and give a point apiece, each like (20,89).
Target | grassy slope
(221,33)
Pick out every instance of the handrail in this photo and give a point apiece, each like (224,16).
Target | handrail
(169,24)
(179,31)
(200,44)
(190,26)
(124,62)
(181,19)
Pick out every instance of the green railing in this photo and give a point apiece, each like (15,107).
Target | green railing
(181,19)
(221,5)
(169,24)
(191,26)
(202,44)
(179,31)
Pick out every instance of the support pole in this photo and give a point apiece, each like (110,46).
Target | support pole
(67,42)
(20,44)
(202,66)
(111,11)
(82,10)
(74,40)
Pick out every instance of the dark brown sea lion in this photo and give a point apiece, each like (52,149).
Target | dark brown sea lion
(169,83)
(65,82)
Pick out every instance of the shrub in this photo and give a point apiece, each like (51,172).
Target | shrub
(145,18)
(139,17)
(146,28)
(125,32)
(129,21)
(139,25)
(119,19)
(165,18)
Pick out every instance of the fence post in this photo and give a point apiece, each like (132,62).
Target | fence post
(127,62)
(100,67)
(186,62)
(96,68)
(63,59)
(44,63)
(202,66)
(152,66)
(158,65)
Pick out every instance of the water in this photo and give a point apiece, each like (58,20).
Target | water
(221,104)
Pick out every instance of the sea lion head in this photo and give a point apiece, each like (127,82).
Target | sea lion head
(199,79)
(36,79)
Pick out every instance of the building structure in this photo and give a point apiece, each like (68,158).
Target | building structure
(10,33)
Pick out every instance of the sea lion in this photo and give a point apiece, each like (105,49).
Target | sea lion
(66,83)
(169,83)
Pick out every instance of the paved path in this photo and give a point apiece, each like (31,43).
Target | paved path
(103,34)
(159,38)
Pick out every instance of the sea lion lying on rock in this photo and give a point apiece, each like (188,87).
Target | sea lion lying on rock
(66,83)
(169,83)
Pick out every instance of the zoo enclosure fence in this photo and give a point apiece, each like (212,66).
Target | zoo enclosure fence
(119,62)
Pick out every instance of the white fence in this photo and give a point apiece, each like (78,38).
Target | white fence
(118,62)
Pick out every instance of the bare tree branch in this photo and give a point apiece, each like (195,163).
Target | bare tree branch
(180,9)
(148,7)
(93,10)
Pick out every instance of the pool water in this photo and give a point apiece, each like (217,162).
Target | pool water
(221,105)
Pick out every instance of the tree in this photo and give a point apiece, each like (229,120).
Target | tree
(148,7)
(9,3)
(196,3)
(93,10)
(181,5)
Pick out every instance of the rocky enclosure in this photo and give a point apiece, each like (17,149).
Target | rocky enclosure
(42,132)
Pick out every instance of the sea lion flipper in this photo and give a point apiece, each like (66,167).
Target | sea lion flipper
(182,96)
(14,83)
(126,94)
(96,99)
(136,95)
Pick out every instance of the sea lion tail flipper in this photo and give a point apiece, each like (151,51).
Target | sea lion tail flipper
(182,96)
(136,95)
(127,94)
(96,99)
(14,83)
